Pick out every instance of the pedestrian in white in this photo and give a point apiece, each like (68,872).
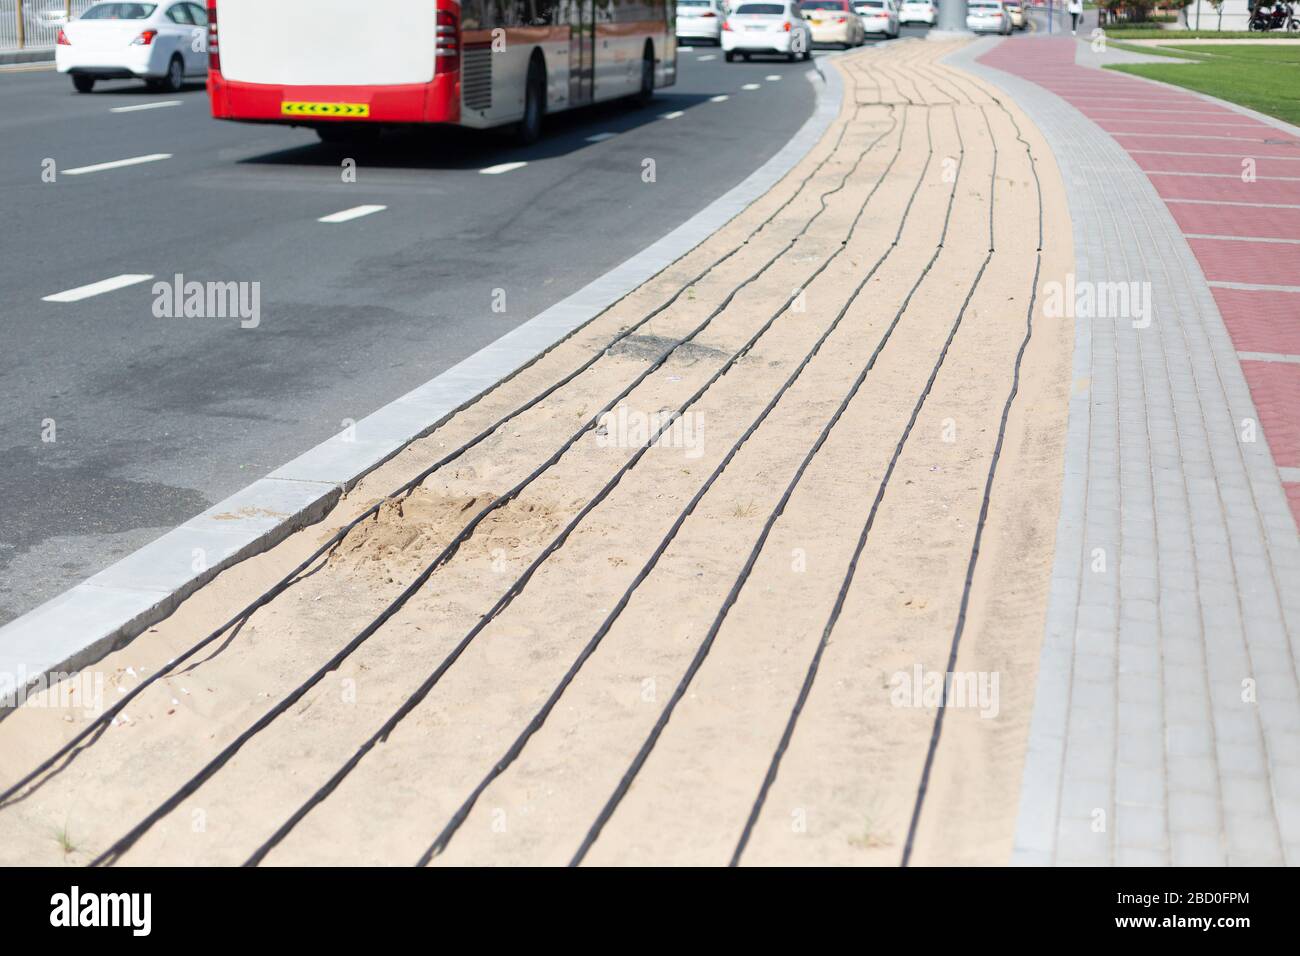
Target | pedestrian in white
(1076,10)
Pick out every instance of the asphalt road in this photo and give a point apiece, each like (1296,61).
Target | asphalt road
(155,419)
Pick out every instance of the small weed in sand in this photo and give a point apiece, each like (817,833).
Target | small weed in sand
(744,510)
(870,838)
(873,835)
(63,836)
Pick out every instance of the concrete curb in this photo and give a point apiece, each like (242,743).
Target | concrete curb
(942,36)
(13,57)
(82,625)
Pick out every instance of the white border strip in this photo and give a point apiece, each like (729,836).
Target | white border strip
(106,611)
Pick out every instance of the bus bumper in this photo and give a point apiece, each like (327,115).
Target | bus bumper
(434,102)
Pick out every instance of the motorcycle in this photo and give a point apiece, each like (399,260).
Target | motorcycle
(1279,17)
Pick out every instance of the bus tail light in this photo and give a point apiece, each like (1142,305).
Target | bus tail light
(214,51)
(447,41)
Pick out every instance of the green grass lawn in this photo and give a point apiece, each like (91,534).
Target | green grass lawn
(1276,53)
(1139,32)
(1264,78)
(1155,50)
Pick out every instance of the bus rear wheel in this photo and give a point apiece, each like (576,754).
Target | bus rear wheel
(529,129)
(646,93)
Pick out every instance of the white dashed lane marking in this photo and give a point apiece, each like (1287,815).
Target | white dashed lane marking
(356,212)
(117,164)
(145,106)
(720,98)
(501,168)
(673,115)
(97,288)
(752,86)
(601,137)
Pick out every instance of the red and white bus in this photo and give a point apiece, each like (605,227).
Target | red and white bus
(348,67)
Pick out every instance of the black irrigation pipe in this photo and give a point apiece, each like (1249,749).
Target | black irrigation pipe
(933,76)
(898,87)
(903,68)
(558,542)
(115,851)
(742,578)
(93,731)
(810,675)
(960,627)
(539,719)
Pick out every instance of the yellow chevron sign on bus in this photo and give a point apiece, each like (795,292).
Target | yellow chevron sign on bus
(324,109)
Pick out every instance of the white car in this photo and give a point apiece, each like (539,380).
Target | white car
(160,43)
(700,20)
(877,16)
(1016,11)
(833,21)
(987,16)
(774,26)
(919,11)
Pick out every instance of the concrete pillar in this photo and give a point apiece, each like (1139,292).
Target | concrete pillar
(952,21)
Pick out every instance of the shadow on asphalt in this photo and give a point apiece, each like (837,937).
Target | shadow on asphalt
(454,147)
(138,88)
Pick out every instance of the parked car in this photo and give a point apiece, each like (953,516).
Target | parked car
(700,20)
(879,17)
(919,11)
(833,21)
(776,26)
(987,16)
(1016,11)
(41,18)
(160,43)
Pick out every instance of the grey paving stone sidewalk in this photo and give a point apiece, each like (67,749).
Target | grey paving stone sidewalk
(1166,727)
